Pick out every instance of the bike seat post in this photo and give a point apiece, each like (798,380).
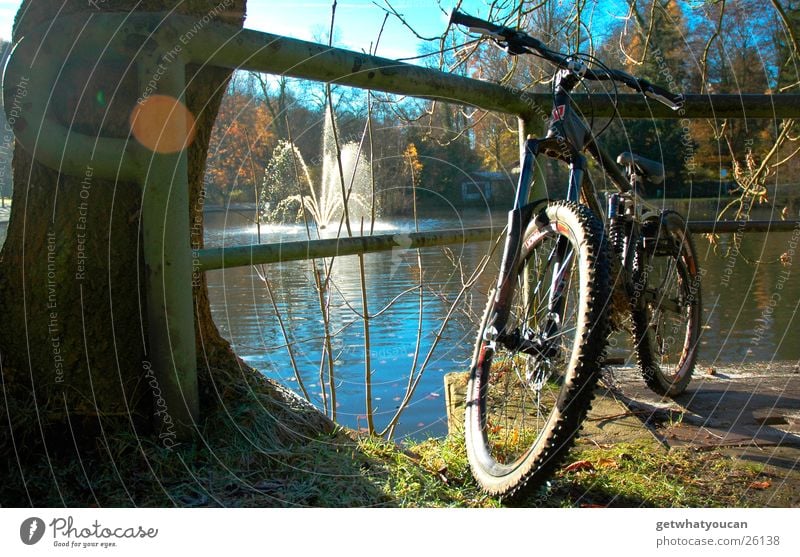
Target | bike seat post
(635,179)
(630,172)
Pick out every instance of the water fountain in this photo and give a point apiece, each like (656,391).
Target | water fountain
(289,189)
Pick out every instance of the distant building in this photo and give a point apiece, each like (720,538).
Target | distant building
(487,188)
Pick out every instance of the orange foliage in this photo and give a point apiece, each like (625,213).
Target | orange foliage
(413,166)
(241,143)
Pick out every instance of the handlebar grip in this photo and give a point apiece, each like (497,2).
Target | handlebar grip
(476,24)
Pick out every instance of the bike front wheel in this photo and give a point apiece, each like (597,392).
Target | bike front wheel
(667,304)
(538,353)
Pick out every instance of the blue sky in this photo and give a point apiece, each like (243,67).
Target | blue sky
(357,21)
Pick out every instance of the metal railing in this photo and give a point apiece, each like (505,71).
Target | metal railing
(259,254)
(153,44)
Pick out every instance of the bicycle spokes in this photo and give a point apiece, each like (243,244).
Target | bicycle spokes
(667,321)
(532,390)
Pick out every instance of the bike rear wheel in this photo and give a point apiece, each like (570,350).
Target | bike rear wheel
(667,304)
(533,379)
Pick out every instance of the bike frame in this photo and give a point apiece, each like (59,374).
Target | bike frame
(567,138)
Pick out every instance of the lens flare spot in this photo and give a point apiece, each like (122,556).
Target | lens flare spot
(163,124)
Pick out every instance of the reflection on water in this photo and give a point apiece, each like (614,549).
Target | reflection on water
(749,305)
(242,308)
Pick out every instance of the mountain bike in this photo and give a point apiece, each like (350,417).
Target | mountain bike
(569,274)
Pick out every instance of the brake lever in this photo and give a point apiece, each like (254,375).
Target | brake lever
(510,48)
(485,33)
(649,92)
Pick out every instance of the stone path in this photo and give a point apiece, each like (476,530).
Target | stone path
(750,412)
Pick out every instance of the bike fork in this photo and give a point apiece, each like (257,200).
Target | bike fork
(558,284)
(561,258)
(518,219)
(563,255)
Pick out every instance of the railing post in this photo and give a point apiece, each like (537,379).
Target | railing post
(168,261)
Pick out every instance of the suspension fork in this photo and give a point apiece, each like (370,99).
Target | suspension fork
(561,259)
(561,276)
(518,219)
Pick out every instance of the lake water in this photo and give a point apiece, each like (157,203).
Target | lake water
(750,307)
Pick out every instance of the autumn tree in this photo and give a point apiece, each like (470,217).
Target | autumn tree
(787,46)
(739,62)
(786,43)
(496,141)
(445,152)
(241,143)
(652,45)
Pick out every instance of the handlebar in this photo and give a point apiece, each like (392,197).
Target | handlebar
(518,42)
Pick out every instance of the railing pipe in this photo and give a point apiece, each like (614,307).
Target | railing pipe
(243,256)
(238,256)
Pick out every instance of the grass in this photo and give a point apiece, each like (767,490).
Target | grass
(259,450)
(436,473)
(634,474)
(433,473)
(262,448)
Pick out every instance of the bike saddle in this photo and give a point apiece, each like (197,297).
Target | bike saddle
(652,169)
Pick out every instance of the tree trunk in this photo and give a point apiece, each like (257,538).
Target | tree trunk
(73,332)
